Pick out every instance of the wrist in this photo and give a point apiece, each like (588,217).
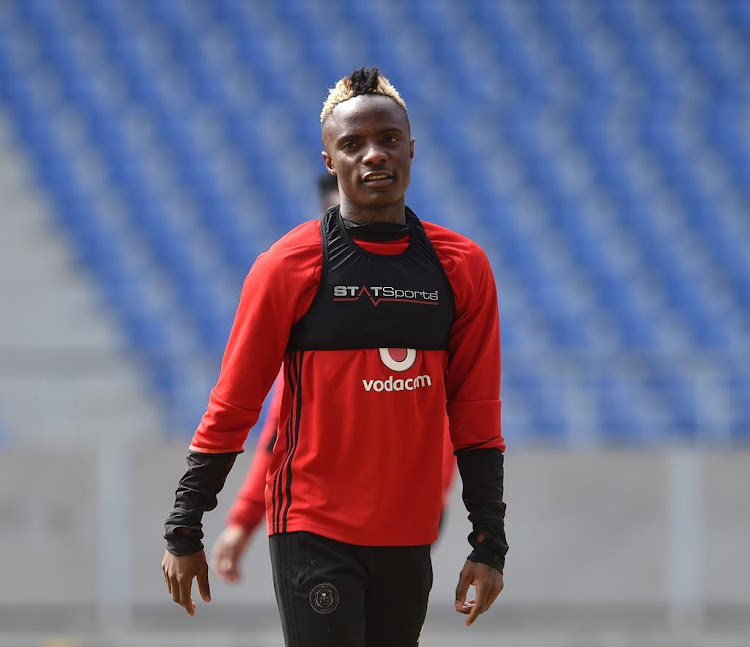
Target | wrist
(183,540)
(238,531)
(485,555)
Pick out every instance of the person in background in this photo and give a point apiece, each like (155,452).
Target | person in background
(249,507)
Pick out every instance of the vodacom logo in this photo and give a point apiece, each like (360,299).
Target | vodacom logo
(400,360)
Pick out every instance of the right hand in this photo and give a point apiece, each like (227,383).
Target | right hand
(179,573)
(228,551)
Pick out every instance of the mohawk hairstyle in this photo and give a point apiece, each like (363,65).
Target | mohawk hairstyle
(361,81)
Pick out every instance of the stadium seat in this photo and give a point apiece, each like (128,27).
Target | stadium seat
(599,152)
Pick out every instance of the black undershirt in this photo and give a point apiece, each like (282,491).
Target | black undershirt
(376,232)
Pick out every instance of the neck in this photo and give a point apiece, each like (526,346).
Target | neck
(395,213)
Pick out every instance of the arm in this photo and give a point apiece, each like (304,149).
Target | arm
(184,558)
(251,362)
(249,507)
(276,292)
(473,391)
(482,474)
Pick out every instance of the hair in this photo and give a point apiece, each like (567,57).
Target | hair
(361,81)
(327,182)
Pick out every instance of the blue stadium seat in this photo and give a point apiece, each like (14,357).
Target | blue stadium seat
(596,151)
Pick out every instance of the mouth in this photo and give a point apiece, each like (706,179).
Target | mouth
(378,178)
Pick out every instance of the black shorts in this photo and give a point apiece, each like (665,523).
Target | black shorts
(334,594)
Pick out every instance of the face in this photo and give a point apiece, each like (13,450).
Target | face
(369,148)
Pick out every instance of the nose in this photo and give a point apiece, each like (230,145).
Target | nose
(374,154)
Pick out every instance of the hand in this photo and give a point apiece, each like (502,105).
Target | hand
(179,573)
(488,582)
(228,551)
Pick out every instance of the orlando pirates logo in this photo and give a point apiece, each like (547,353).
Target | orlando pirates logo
(324,598)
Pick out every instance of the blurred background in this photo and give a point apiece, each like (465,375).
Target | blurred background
(599,151)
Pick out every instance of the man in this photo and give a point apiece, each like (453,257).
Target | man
(249,506)
(383,322)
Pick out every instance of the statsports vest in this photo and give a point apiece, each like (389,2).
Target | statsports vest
(368,300)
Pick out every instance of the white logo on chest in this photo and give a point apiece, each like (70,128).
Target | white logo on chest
(398,359)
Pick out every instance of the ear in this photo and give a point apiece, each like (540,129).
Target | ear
(411,148)
(328,162)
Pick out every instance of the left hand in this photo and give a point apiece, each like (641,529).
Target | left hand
(488,582)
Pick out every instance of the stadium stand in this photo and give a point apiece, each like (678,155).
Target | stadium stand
(603,161)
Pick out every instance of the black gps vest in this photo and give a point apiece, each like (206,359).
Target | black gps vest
(368,300)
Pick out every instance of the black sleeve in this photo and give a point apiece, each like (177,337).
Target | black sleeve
(195,495)
(482,475)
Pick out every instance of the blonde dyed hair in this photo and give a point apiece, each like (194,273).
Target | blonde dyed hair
(361,81)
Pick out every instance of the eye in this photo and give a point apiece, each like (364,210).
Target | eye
(391,139)
(349,145)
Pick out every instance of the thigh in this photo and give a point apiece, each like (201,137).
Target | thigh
(320,591)
(396,602)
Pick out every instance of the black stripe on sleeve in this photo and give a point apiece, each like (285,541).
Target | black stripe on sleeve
(292,379)
(298,417)
(272,442)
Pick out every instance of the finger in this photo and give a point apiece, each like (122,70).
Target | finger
(166,577)
(186,599)
(224,567)
(231,570)
(494,597)
(489,592)
(464,580)
(219,565)
(479,604)
(203,587)
(220,553)
(491,597)
(496,591)
(169,585)
(174,586)
(467,607)
(491,600)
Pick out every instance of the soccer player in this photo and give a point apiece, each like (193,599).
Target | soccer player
(383,323)
(249,506)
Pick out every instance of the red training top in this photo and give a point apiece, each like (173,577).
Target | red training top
(249,506)
(360,456)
